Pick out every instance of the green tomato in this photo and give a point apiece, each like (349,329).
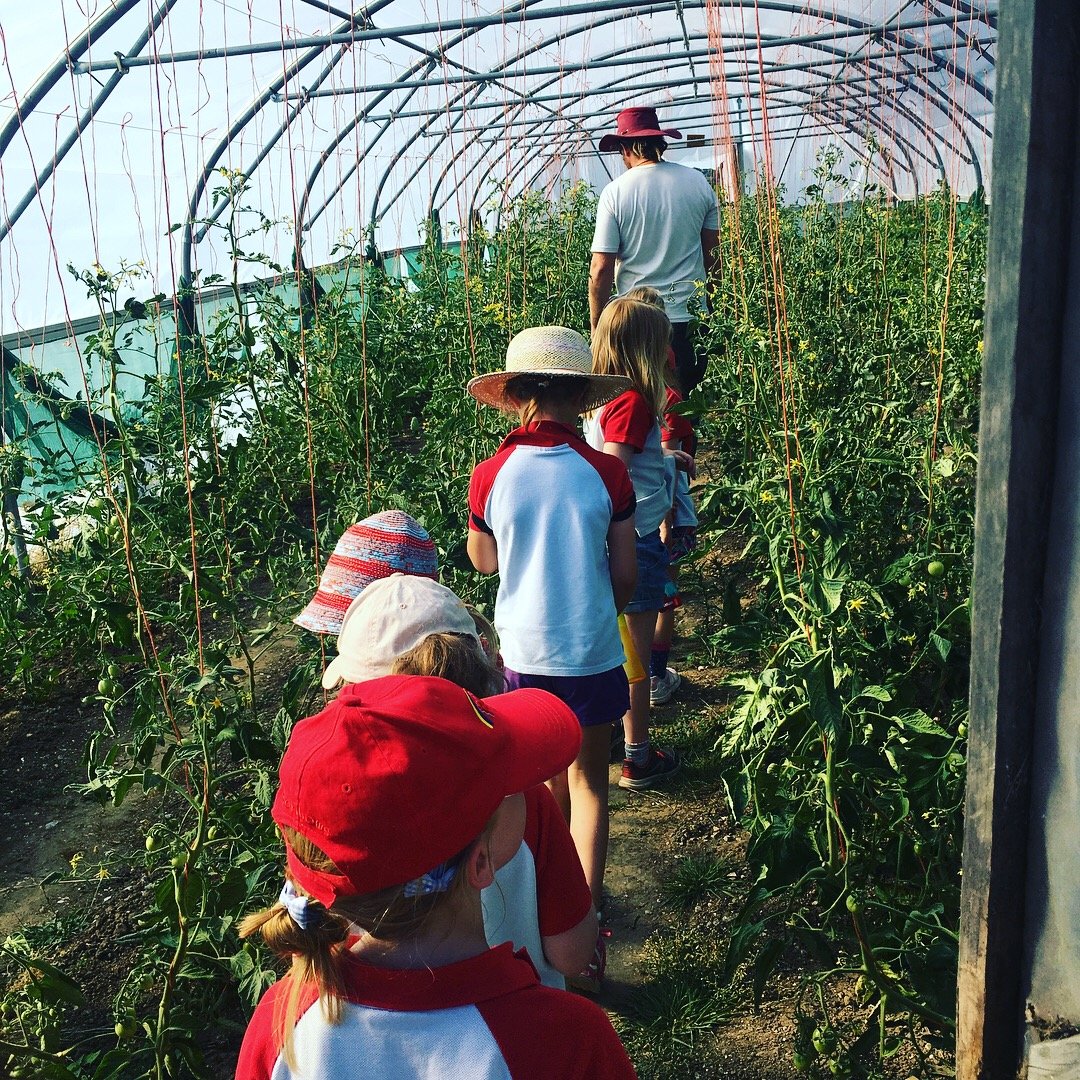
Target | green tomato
(801,1061)
(211,833)
(853,904)
(935,568)
(126,1028)
(824,1040)
(962,730)
(104,687)
(152,842)
(114,671)
(179,860)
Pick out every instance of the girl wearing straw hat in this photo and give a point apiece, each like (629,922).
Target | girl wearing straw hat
(555,519)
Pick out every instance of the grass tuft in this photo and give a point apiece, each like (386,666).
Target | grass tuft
(697,877)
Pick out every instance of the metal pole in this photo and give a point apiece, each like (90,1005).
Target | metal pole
(81,122)
(349,37)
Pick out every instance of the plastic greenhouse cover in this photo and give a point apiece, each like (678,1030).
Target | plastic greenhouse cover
(350,128)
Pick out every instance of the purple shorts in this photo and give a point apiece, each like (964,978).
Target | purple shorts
(595,699)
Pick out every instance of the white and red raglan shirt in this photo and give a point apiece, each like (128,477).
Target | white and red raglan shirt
(541,891)
(485,1018)
(549,500)
(629,420)
(675,428)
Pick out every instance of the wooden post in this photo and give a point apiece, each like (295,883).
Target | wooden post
(1035,170)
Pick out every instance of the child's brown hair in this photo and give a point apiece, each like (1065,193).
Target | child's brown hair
(534,393)
(456,657)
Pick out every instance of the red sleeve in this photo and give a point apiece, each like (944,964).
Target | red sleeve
(673,427)
(562,893)
(263,1040)
(616,477)
(260,1050)
(628,419)
(544,1032)
(479,489)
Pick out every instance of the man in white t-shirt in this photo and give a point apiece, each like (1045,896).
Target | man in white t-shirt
(657,225)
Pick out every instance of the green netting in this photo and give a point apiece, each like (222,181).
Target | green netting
(60,391)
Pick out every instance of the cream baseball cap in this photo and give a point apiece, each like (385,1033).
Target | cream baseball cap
(389,618)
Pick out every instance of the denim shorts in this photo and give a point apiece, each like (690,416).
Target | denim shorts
(595,699)
(652,575)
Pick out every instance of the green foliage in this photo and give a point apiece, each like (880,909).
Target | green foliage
(281,424)
(851,332)
(679,1008)
(696,877)
(840,410)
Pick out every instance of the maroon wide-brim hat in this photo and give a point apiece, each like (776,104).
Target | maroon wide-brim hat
(635,124)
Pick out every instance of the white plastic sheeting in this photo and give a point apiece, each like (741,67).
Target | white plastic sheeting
(345,120)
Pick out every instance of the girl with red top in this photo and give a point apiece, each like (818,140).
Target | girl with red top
(679,531)
(631,340)
(555,519)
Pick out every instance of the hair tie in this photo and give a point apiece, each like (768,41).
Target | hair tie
(299,907)
(434,881)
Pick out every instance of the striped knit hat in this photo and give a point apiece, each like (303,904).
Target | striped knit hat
(388,543)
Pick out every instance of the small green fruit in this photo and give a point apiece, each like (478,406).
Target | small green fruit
(125,1028)
(179,860)
(824,1040)
(211,833)
(935,568)
(151,842)
(114,671)
(853,905)
(961,730)
(104,686)
(801,1061)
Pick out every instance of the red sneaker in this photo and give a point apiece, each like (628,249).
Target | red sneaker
(661,765)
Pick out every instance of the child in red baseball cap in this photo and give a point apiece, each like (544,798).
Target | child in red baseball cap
(540,901)
(387,800)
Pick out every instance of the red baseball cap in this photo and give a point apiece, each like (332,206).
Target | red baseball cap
(399,774)
(635,124)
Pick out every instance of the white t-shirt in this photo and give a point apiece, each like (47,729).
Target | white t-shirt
(485,1018)
(541,891)
(651,218)
(629,420)
(549,500)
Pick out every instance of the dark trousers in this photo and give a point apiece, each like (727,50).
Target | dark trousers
(690,364)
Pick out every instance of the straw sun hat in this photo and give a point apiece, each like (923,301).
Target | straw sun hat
(547,350)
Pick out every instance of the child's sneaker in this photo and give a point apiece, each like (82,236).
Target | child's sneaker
(662,687)
(588,982)
(661,765)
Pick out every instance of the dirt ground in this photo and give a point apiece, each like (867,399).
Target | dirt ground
(47,826)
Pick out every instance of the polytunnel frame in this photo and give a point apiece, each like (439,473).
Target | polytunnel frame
(483,80)
(771,43)
(800,110)
(358,26)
